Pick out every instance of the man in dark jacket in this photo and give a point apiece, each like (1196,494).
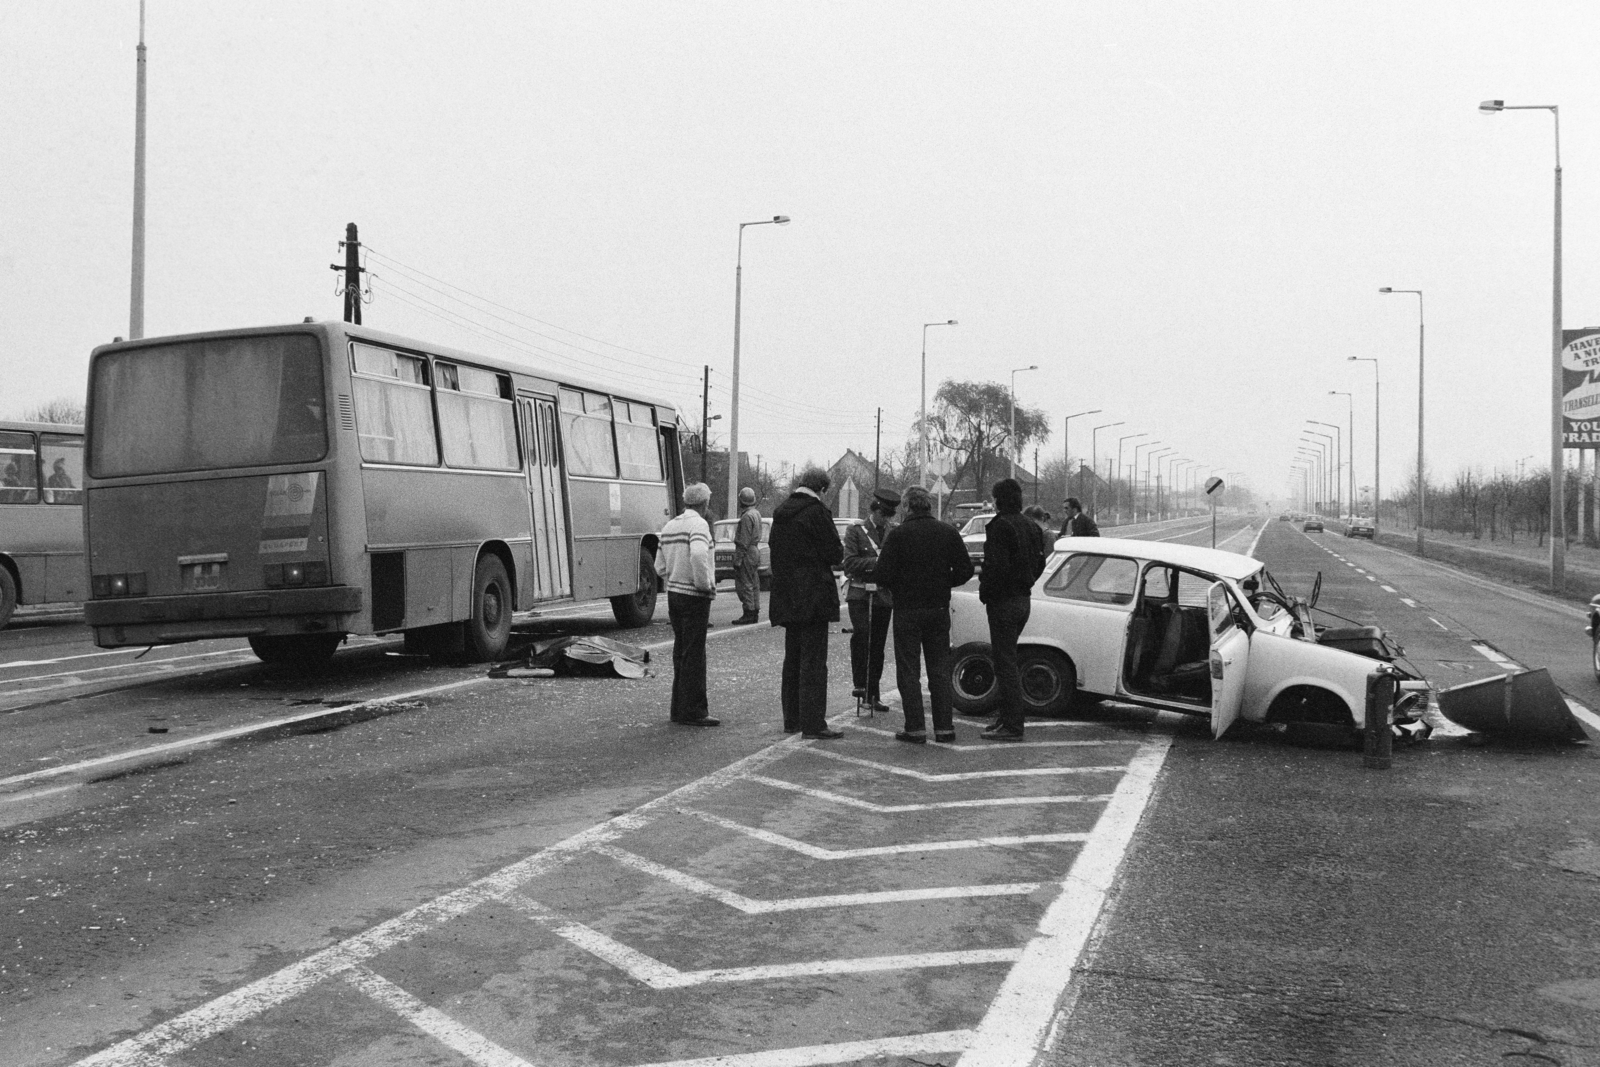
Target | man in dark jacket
(1013,559)
(922,560)
(805,548)
(1078,524)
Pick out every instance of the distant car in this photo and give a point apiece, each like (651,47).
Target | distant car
(722,534)
(1312,524)
(973,535)
(1359,528)
(1283,517)
(1172,626)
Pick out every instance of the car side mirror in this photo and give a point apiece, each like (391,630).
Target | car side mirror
(1316,590)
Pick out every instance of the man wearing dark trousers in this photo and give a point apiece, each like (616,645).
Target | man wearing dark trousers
(805,549)
(1013,559)
(870,604)
(923,559)
(747,559)
(688,570)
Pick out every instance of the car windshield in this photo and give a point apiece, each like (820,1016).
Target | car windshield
(975,525)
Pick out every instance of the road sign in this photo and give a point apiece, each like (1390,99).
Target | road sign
(1213,484)
(940,464)
(940,488)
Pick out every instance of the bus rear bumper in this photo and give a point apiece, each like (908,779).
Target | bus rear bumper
(164,620)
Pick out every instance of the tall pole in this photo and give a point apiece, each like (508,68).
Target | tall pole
(1133,488)
(1015,448)
(1422,479)
(923,417)
(733,418)
(1094,464)
(136,287)
(1117,490)
(1066,447)
(352,275)
(1377,437)
(1338,462)
(705,421)
(877,456)
(1350,466)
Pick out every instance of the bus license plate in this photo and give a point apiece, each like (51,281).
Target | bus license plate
(202,577)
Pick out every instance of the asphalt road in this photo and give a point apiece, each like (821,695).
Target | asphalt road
(454,869)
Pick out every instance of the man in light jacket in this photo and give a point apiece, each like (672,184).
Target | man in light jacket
(687,568)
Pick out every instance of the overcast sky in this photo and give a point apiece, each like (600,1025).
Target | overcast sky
(1182,212)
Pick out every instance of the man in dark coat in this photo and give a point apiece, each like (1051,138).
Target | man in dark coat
(1013,559)
(1078,524)
(805,548)
(923,559)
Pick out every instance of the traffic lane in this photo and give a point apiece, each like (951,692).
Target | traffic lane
(1284,905)
(138,892)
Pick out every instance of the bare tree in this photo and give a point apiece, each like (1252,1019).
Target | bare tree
(972,420)
(60,410)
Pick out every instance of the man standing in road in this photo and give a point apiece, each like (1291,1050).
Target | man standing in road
(870,604)
(1078,524)
(747,559)
(922,561)
(688,570)
(1013,559)
(804,600)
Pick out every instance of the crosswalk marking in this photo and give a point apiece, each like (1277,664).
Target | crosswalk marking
(890,809)
(818,852)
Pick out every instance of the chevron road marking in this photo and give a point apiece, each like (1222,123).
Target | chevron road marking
(431,1021)
(964,776)
(910,1046)
(819,853)
(867,805)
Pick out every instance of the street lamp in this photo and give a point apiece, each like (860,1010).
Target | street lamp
(1326,444)
(1094,462)
(1338,459)
(1171,465)
(1133,481)
(1421,478)
(1153,499)
(1117,491)
(1066,447)
(1014,448)
(733,419)
(924,419)
(1558,505)
(1377,439)
(1351,466)
(1313,451)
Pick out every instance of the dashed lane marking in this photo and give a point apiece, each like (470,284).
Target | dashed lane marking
(1495,656)
(751,906)
(805,848)
(1408,602)
(1437,623)
(1388,589)
(936,805)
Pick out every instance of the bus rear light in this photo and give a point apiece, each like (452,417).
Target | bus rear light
(309,572)
(109,585)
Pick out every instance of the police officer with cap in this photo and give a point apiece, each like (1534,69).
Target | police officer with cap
(747,559)
(870,607)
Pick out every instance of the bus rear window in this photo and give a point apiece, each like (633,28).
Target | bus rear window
(207,405)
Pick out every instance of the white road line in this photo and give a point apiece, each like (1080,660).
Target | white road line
(134,651)
(817,852)
(867,805)
(879,1048)
(221,1014)
(431,1021)
(1437,623)
(1583,713)
(1360,571)
(1533,599)
(1259,535)
(1370,578)
(1388,589)
(134,670)
(1015,1027)
(1007,746)
(751,906)
(1408,602)
(964,776)
(657,975)
(1495,656)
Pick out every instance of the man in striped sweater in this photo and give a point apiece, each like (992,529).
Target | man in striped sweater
(688,570)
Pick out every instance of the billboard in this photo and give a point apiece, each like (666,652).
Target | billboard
(1580,387)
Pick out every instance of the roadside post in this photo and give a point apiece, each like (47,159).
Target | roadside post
(1213,487)
(1378,744)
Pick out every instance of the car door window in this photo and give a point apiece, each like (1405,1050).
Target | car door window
(1095,579)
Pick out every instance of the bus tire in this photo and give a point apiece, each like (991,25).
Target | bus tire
(634,610)
(295,650)
(444,643)
(489,627)
(8,595)
(974,689)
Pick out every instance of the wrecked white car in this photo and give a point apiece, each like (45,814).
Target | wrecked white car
(1187,629)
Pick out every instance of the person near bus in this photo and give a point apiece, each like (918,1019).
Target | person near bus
(1078,523)
(685,562)
(747,559)
(870,605)
(922,560)
(804,600)
(1013,559)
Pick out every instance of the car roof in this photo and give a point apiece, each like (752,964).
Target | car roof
(1226,564)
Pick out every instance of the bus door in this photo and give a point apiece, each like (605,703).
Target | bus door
(552,564)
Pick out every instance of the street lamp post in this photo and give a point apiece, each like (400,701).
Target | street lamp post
(1173,466)
(1338,461)
(1116,489)
(1066,448)
(1422,480)
(1350,467)
(924,418)
(1013,442)
(1329,472)
(1377,439)
(1152,495)
(733,417)
(1558,504)
(1312,450)
(1133,488)
(1094,464)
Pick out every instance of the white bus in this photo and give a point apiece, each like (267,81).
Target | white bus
(296,484)
(41,515)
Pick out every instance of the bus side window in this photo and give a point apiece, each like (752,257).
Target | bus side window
(586,431)
(478,428)
(394,416)
(19,469)
(63,459)
(638,444)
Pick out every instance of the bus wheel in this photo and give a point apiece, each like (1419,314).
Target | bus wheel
(295,650)
(634,610)
(489,628)
(8,596)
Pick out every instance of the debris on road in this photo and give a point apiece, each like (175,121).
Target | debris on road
(585,656)
(1525,705)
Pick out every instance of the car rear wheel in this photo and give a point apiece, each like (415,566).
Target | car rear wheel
(489,627)
(974,689)
(1049,682)
(634,610)
(295,650)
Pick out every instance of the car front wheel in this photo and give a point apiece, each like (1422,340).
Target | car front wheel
(974,690)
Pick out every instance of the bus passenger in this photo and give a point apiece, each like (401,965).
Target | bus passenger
(747,559)
(686,565)
(59,478)
(805,549)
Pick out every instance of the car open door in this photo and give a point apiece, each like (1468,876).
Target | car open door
(1230,652)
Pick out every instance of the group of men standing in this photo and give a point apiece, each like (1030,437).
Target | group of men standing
(900,578)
